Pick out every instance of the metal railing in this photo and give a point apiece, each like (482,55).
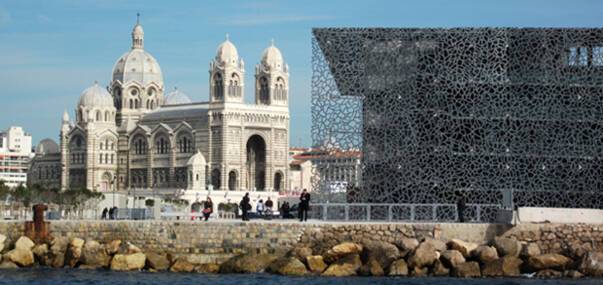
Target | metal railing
(402,212)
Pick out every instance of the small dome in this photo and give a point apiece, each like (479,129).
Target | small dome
(197,159)
(139,66)
(138,30)
(96,96)
(227,53)
(177,97)
(47,146)
(272,57)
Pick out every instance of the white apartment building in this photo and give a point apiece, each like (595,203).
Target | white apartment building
(15,155)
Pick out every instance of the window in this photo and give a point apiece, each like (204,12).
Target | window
(585,56)
(140,146)
(218,87)
(161,145)
(598,56)
(184,144)
(264,91)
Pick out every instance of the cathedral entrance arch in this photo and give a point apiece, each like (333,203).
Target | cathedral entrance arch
(256,163)
(105,184)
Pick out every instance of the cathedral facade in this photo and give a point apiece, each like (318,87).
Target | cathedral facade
(133,134)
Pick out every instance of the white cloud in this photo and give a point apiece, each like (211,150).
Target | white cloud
(256,20)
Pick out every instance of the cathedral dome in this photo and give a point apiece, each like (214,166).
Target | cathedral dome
(227,53)
(47,146)
(272,57)
(177,97)
(139,66)
(197,159)
(96,96)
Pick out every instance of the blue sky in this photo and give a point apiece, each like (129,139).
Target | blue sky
(52,50)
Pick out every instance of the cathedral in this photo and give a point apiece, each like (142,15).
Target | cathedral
(134,134)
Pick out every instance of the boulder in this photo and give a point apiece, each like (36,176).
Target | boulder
(158,262)
(371,268)
(94,255)
(346,248)
(439,269)
(436,243)
(467,269)
(316,263)
(288,266)
(20,256)
(182,265)
(345,266)
(465,248)
(6,264)
(451,258)
(125,262)
(40,252)
(2,240)
(548,261)
(592,264)
(207,268)
(58,249)
(419,272)
(398,268)
(113,247)
(74,252)
(406,245)
(484,253)
(131,248)
(529,249)
(24,243)
(383,252)
(505,266)
(573,274)
(300,253)
(248,263)
(424,255)
(548,273)
(507,246)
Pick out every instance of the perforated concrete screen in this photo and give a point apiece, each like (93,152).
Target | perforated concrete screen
(475,110)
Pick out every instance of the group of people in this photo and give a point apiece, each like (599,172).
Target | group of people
(264,209)
(111,211)
(208,209)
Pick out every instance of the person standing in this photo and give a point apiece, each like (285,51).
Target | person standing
(245,207)
(460,206)
(285,210)
(208,208)
(110,213)
(268,208)
(115,213)
(304,205)
(259,207)
(104,214)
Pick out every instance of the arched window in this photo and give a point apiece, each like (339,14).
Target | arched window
(185,143)
(152,105)
(107,116)
(215,178)
(98,115)
(218,87)
(232,180)
(148,104)
(131,104)
(278,181)
(161,145)
(264,91)
(234,89)
(80,117)
(140,145)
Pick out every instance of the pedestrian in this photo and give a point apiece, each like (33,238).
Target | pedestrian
(104,214)
(268,208)
(304,205)
(115,217)
(208,208)
(245,207)
(259,207)
(460,206)
(284,210)
(110,213)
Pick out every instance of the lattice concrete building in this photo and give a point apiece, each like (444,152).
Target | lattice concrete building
(476,110)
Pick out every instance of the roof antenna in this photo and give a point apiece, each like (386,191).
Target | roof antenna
(227,37)
(272,42)
(138,18)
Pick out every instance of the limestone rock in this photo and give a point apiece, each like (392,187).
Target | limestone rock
(40,252)
(465,248)
(288,266)
(346,266)
(113,247)
(316,263)
(157,261)
(346,248)
(94,255)
(21,256)
(484,253)
(548,261)
(301,253)
(573,274)
(436,244)
(507,246)
(24,243)
(130,248)
(74,252)
(2,240)
(467,269)
(451,258)
(548,273)
(529,249)
(125,262)
(207,268)
(247,263)
(406,245)
(439,269)
(398,268)
(58,249)
(424,255)
(182,265)
(383,252)
(371,268)
(592,264)
(419,272)
(6,264)
(505,266)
